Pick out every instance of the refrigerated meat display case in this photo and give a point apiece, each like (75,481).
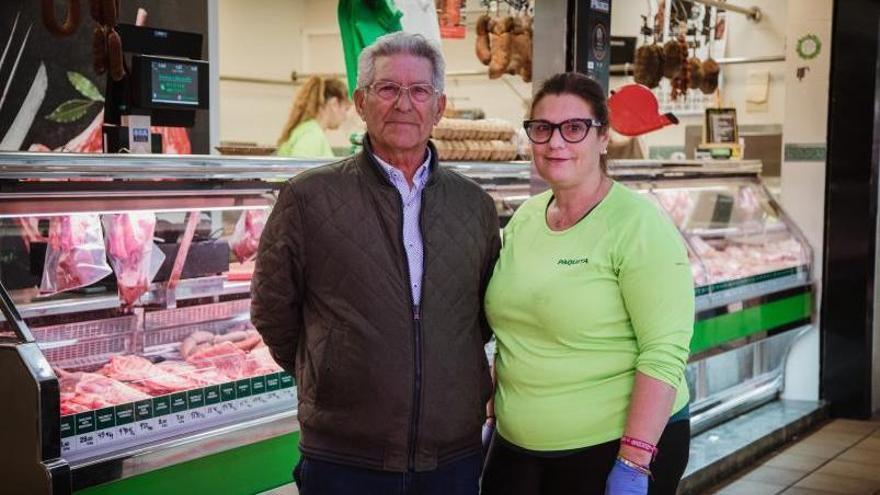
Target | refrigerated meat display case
(149,378)
(126,348)
(752,270)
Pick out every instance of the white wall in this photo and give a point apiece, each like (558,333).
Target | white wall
(803,181)
(745,39)
(271,38)
(258,40)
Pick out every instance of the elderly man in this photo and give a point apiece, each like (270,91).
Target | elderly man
(368,288)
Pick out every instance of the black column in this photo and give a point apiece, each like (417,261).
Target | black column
(850,210)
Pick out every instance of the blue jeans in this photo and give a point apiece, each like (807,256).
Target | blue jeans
(314,477)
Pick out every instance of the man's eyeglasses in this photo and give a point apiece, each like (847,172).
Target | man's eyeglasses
(571,130)
(390,91)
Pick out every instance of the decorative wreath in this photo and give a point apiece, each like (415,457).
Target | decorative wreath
(808,46)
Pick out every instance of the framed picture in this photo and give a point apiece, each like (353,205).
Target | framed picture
(721,126)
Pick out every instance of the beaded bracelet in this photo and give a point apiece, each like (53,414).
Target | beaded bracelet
(640,444)
(638,467)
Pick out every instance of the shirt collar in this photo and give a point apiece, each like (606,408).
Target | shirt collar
(421,175)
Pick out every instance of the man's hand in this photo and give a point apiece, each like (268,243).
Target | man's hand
(624,480)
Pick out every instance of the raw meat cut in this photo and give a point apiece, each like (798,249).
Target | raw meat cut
(225,357)
(195,341)
(129,246)
(261,362)
(145,376)
(175,140)
(203,376)
(679,204)
(88,391)
(727,260)
(246,236)
(75,255)
(30,231)
(228,359)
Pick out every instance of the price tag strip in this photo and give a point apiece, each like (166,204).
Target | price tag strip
(112,428)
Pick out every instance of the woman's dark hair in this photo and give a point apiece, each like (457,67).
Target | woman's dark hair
(582,86)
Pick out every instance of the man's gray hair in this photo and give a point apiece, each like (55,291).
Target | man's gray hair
(401,43)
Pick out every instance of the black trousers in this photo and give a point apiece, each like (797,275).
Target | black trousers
(315,477)
(511,471)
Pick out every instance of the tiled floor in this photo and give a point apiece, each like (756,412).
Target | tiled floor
(842,457)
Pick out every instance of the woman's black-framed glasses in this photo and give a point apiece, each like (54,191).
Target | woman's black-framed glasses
(572,130)
(390,91)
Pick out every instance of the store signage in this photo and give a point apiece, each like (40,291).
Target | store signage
(601,5)
(591,52)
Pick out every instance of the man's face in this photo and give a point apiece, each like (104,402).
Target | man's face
(402,124)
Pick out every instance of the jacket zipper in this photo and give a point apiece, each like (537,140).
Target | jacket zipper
(417,330)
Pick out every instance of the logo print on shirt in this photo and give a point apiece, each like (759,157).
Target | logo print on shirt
(572,261)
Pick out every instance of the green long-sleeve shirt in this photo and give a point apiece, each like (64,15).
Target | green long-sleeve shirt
(577,312)
(307,140)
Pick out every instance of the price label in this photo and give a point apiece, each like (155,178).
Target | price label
(179,419)
(67,445)
(103,437)
(146,427)
(87,440)
(127,431)
(214,411)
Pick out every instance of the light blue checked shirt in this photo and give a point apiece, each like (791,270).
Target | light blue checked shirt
(412,206)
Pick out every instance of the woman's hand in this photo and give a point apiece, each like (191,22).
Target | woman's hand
(489,425)
(625,480)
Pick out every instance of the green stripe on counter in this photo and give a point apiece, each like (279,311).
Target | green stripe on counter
(249,469)
(805,152)
(734,326)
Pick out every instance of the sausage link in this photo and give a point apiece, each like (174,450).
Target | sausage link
(114,54)
(99,50)
(71,22)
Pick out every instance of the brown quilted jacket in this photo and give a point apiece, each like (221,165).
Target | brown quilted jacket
(381,384)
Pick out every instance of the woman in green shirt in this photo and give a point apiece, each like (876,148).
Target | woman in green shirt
(592,305)
(321,104)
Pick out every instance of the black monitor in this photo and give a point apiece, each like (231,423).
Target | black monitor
(169,83)
(165,77)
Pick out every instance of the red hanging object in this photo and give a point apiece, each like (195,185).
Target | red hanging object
(634,111)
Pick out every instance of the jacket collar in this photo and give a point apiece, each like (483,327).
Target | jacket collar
(367,160)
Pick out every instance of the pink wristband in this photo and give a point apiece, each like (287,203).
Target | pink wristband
(640,444)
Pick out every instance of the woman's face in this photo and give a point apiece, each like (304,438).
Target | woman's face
(337,111)
(560,163)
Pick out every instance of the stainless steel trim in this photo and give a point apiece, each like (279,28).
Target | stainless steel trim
(190,288)
(27,165)
(735,381)
(750,60)
(190,446)
(736,406)
(624,169)
(66,306)
(14,205)
(297,78)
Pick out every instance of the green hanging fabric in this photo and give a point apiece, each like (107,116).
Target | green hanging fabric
(360,23)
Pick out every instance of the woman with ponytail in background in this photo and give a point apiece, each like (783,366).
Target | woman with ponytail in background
(321,105)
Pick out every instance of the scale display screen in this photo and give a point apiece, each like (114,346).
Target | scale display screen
(174,83)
